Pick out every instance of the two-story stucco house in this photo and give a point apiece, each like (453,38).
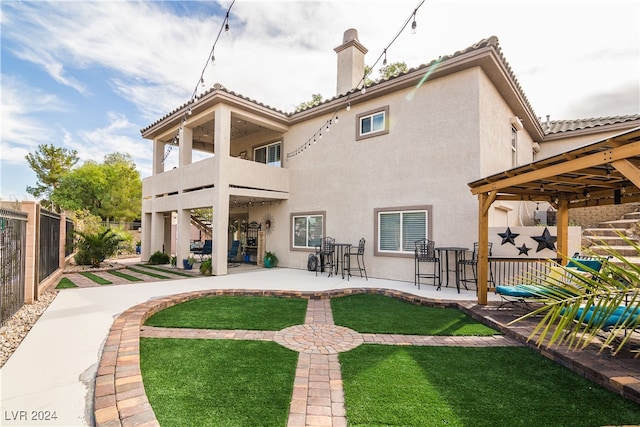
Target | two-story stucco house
(390,163)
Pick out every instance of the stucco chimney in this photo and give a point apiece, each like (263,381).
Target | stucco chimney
(350,61)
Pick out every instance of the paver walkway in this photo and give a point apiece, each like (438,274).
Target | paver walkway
(318,396)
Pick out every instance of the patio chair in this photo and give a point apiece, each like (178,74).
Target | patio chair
(473,263)
(426,254)
(233,252)
(325,253)
(205,250)
(358,254)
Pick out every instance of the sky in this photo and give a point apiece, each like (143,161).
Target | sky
(88,75)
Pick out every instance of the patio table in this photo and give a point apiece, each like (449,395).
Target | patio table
(341,249)
(444,267)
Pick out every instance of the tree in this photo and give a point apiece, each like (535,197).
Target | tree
(111,190)
(50,164)
(316,99)
(93,248)
(386,71)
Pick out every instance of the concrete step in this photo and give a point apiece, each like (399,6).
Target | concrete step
(619,223)
(606,240)
(600,232)
(632,215)
(625,251)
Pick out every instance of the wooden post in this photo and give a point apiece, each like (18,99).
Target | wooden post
(562,225)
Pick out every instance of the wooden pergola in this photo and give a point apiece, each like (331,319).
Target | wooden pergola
(602,173)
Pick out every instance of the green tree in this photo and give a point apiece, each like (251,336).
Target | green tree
(386,71)
(123,195)
(111,190)
(316,99)
(50,164)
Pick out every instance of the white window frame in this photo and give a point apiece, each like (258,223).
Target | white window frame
(405,248)
(310,244)
(277,163)
(514,147)
(384,112)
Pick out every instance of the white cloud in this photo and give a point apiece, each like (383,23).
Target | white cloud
(22,130)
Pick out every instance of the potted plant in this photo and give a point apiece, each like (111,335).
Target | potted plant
(138,247)
(205,267)
(270,259)
(187,263)
(174,261)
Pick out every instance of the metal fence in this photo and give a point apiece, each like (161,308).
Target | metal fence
(49,255)
(13,234)
(507,271)
(69,243)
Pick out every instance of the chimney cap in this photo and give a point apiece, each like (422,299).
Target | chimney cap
(350,34)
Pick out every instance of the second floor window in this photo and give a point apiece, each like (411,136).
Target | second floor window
(268,154)
(373,123)
(514,147)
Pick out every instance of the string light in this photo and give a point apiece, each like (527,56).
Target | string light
(210,58)
(347,103)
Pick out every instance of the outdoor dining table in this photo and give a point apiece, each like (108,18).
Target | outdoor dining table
(458,253)
(340,250)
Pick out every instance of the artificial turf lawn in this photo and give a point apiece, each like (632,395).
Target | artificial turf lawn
(192,382)
(232,312)
(165,270)
(99,280)
(462,386)
(148,273)
(125,276)
(65,283)
(369,313)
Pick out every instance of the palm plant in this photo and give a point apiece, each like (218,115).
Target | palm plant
(582,307)
(93,248)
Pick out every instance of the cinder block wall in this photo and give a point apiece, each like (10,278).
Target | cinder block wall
(592,216)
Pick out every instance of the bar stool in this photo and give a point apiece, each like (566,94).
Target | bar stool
(473,262)
(359,255)
(426,253)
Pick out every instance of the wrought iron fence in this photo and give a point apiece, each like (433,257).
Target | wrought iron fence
(504,271)
(69,244)
(13,233)
(49,259)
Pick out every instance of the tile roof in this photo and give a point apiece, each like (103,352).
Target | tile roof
(557,126)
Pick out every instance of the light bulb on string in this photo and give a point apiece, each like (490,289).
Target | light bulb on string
(189,112)
(213,59)
(364,90)
(202,81)
(348,106)
(384,61)
(337,119)
(414,25)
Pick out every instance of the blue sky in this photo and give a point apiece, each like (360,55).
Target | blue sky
(88,75)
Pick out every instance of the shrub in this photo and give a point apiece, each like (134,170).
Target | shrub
(93,248)
(159,258)
(206,267)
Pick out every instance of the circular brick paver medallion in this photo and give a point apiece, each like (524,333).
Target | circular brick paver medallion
(318,339)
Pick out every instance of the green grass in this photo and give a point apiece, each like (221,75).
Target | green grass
(165,270)
(367,313)
(98,279)
(125,276)
(148,273)
(457,386)
(218,382)
(65,283)
(231,312)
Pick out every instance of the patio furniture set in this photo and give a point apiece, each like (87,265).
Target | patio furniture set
(337,258)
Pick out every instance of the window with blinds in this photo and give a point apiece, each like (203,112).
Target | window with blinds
(398,230)
(307,230)
(269,154)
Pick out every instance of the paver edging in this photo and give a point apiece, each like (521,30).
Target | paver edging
(119,377)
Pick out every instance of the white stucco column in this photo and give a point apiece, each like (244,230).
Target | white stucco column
(157,232)
(220,224)
(158,157)
(167,243)
(145,237)
(183,232)
(186,146)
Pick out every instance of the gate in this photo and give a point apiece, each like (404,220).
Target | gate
(49,251)
(13,233)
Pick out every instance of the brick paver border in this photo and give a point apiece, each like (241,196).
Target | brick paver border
(120,398)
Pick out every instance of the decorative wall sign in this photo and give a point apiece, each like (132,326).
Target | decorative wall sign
(523,250)
(268,222)
(508,237)
(545,241)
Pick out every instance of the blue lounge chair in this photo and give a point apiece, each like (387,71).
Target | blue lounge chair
(233,252)
(205,250)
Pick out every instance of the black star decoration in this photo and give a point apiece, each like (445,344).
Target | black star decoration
(508,237)
(546,241)
(523,250)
